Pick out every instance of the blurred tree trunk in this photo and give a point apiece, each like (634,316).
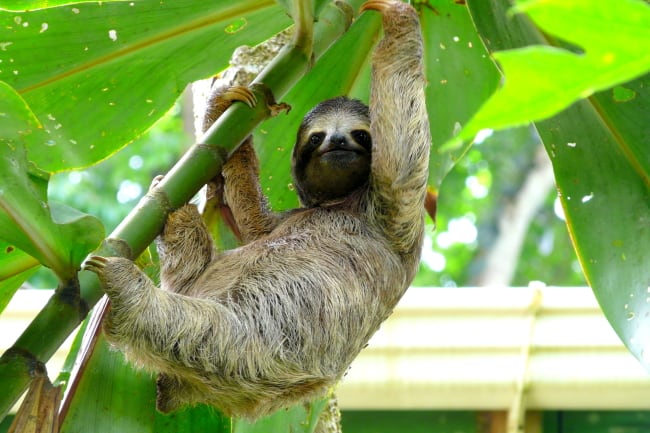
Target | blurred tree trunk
(500,261)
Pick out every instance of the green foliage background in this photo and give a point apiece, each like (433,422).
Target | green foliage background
(88,115)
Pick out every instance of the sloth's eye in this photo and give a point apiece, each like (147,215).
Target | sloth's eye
(316,138)
(362,137)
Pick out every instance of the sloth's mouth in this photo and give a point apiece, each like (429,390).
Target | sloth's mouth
(343,149)
(342,155)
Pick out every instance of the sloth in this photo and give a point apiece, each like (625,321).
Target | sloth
(279,320)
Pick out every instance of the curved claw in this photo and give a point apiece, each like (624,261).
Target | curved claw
(240,93)
(377,5)
(95,264)
(154,183)
(274,107)
(397,16)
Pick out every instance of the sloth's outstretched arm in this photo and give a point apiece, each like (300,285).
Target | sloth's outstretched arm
(399,128)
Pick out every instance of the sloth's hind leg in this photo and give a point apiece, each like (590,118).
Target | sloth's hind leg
(185,249)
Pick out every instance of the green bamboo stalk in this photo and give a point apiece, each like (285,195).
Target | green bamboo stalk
(202,162)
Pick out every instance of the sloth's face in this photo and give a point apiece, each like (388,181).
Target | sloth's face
(332,155)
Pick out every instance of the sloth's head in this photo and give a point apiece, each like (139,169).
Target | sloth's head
(331,158)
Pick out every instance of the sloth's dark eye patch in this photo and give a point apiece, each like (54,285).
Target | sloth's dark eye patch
(316,138)
(362,137)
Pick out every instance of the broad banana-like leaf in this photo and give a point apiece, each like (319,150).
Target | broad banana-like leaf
(41,229)
(96,88)
(616,54)
(301,418)
(599,146)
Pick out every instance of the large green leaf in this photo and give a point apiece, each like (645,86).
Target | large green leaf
(97,87)
(460,77)
(617,52)
(301,418)
(601,159)
(606,198)
(45,231)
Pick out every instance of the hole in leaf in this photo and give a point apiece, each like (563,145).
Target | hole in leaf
(236,26)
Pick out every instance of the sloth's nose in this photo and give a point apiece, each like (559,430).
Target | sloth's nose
(338,140)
